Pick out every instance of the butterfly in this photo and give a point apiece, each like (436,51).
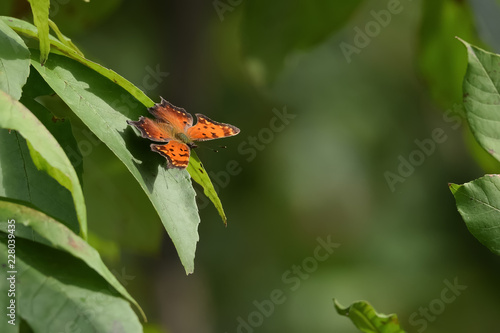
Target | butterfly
(174,127)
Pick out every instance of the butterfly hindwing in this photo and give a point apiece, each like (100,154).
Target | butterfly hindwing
(176,153)
(177,117)
(151,129)
(207,129)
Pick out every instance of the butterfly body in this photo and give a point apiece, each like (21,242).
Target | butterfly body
(173,127)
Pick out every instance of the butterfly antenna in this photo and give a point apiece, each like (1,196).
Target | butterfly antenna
(214,150)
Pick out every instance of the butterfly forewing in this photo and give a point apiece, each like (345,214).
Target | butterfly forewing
(177,117)
(207,129)
(152,130)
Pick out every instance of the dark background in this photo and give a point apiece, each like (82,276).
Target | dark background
(321,175)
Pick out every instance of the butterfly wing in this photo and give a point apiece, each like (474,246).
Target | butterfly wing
(207,129)
(176,153)
(168,113)
(153,130)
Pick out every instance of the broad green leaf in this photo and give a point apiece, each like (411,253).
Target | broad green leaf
(57,293)
(21,181)
(40,9)
(45,151)
(7,7)
(481,88)
(441,62)
(198,173)
(35,86)
(479,204)
(105,107)
(76,17)
(273,29)
(48,231)
(29,30)
(367,320)
(14,62)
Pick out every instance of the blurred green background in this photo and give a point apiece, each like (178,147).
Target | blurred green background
(320,174)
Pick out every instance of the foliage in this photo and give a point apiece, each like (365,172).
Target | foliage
(41,190)
(478,201)
(50,92)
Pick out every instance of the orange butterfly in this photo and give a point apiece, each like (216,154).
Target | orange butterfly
(174,127)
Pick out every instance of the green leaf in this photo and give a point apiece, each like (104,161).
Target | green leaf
(63,39)
(48,231)
(56,292)
(479,204)
(302,25)
(76,17)
(14,62)
(367,320)
(105,107)
(440,59)
(481,87)
(45,151)
(29,30)
(199,175)
(61,129)
(40,9)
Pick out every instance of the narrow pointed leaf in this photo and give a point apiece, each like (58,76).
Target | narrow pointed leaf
(14,62)
(479,204)
(481,89)
(199,175)
(440,58)
(21,181)
(105,108)
(367,320)
(29,30)
(45,151)
(40,9)
(45,230)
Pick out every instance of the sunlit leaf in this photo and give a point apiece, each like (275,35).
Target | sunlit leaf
(481,87)
(367,320)
(273,29)
(479,204)
(45,152)
(14,62)
(63,39)
(198,173)
(57,292)
(40,9)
